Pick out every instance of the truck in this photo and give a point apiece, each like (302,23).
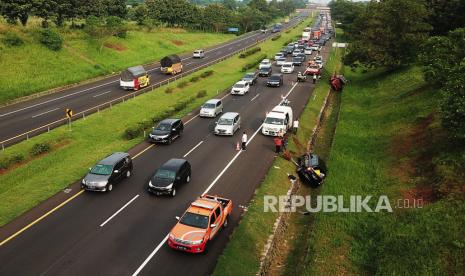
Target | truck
(171,65)
(200,223)
(306,34)
(316,34)
(278,120)
(134,78)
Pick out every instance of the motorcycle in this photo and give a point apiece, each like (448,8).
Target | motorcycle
(301,77)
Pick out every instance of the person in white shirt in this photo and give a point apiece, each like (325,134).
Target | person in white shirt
(244,141)
(295,125)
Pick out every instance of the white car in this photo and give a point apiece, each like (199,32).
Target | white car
(278,55)
(315,47)
(228,123)
(308,51)
(319,62)
(211,108)
(296,52)
(240,88)
(280,61)
(199,53)
(287,68)
(265,63)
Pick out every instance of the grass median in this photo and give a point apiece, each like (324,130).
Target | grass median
(36,178)
(243,252)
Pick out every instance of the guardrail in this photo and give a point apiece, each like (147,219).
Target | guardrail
(96,109)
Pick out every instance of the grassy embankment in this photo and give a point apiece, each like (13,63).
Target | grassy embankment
(32,68)
(389,142)
(243,252)
(74,151)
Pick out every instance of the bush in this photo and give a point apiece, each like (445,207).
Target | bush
(183,84)
(11,39)
(288,31)
(51,39)
(250,52)
(169,90)
(40,148)
(206,74)
(194,79)
(287,42)
(201,94)
(131,132)
(276,37)
(6,162)
(254,63)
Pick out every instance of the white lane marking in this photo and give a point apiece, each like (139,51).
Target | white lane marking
(117,212)
(256,96)
(196,146)
(188,63)
(153,69)
(188,121)
(40,114)
(139,269)
(98,95)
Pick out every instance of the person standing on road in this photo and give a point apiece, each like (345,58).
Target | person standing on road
(295,126)
(278,142)
(314,78)
(244,141)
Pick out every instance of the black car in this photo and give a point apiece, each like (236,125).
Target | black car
(298,60)
(311,169)
(251,78)
(275,80)
(108,172)
(290,49)
(169,177)
(265,71)
(166,131)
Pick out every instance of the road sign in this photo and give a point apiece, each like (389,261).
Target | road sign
(69,113)
(233,30)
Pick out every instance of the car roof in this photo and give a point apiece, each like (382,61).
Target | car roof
(241,82)
(229,115)
(113,158)
(202,206)
(198,50)
(173,164)
(276,75)
(266,60)
(169,121)
(213,101)
(287,63)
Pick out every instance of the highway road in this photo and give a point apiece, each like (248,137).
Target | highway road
(124,232)
(49,110)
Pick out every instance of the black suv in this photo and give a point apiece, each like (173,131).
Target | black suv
(169,177)
(311,169)
(108,172)
(275,80)
(166,131)
(298,60)
(265,71)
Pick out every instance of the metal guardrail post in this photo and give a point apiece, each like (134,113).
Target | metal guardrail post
(3,147)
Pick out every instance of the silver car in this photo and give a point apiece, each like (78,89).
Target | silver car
(228,124)
(211,108)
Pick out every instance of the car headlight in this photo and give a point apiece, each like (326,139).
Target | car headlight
(83,181)
(103,183)
(150,183)
(196,242)
(169,186)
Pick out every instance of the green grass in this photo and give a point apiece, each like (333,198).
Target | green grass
(378,108)
(73,152)
(242,254)
(32,68)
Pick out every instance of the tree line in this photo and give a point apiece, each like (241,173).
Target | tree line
(396,33)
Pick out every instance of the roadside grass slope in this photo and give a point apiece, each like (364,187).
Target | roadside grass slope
(389,142)
(31,182)
(32,68)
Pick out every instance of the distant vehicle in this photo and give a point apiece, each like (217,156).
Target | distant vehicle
(311,169)
(296,52)
(312,69)
(240,88)
(200,223)
(251,78)
(135,77)
(169,177)
(166,131)
(265,63)
(287,68)
(199,54)
(308,51)
(290,49)
(315,47)
(108,172)
(171,65)
(275,80)
(278,120)
(286,20)
(228,124)
(306,33)
(298,60)
(265,72)
(318,57)
(319,63)
(280,61)
(278,55)
(263,30)
(211,108)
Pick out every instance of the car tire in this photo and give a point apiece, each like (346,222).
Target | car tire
(225,223)
(109,187)
(173,193)
(128,174)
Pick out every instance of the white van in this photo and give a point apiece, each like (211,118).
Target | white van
(199,54)
(211,108)
(228,123)
(277,120)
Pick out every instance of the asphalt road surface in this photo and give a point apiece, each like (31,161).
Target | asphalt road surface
(27,116)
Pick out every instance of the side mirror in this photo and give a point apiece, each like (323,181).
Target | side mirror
(213,225)
(176,217)
(116,171)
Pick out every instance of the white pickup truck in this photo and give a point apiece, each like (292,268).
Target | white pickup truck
(279,119)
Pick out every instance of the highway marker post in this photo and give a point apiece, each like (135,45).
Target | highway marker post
(69,115)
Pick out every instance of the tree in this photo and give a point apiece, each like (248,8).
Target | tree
(230,4)
(216,17)
(139,14)
(44,9)
(100,28)
(115,8)
(14,10)
(445,16)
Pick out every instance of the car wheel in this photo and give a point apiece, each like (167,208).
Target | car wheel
(170,140)
(188,179)
(225,223)
(128,174)
(173,192)
(109,187)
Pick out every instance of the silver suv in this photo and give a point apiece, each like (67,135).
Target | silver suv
(228,124)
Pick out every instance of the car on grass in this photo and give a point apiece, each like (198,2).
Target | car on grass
(107,172)
(200,223)
(170,176)
(240,88)
(228,124)
(265,71)
(166,131)
(275,80)
(199,53)
(287,68)
(311,169)
(211,108)
(251,78)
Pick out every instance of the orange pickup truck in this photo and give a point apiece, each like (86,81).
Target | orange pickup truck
(200,223)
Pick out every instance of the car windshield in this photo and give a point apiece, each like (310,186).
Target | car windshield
(287,65)
(194,220)
(274,78)
(238,85)
(209,105)
(265,69)
(225,122)
(102,169)
(249,76)
(165,174)
(163,127)
(274,121)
